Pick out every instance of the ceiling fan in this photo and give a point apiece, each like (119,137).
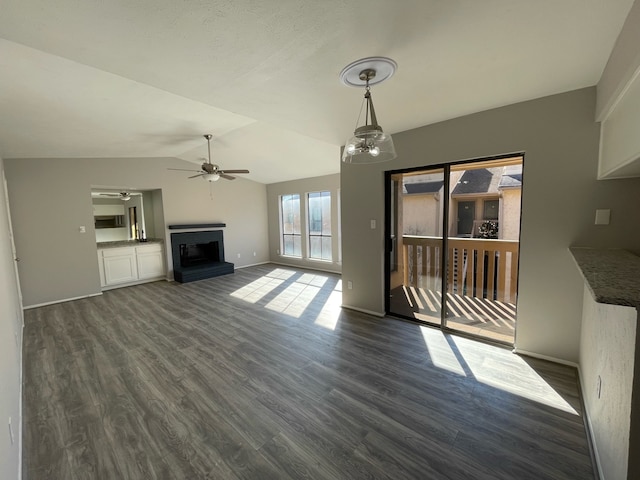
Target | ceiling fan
(124,196)
(210,171)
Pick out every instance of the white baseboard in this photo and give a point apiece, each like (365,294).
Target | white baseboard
(27,307)
(544,357)
(306,267)
(362,310)
(252,265)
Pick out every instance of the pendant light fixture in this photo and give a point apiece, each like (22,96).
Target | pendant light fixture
(369,143)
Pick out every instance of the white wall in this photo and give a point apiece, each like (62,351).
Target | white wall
(560,195)
(607,348)
(329,183)
(58,262)
(10,349)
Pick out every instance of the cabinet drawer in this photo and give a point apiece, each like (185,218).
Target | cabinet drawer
(117,252)
(152,247)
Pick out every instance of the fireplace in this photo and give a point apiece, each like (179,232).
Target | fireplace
(193,254)
(198,255)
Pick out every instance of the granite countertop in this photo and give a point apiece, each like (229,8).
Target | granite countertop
(128,243)
(613,276)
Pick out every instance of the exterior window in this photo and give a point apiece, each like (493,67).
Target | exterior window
(290,225)
(320,225)
(491,209)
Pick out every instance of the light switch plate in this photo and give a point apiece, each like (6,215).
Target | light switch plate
(603,216)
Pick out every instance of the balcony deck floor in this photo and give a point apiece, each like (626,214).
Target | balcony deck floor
(485,318)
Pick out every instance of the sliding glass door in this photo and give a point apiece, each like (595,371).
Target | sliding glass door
(416,244)
(453,242)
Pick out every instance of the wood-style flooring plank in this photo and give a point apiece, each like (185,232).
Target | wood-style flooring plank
(260,375)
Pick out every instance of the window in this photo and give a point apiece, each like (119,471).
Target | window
(290,225)
(491,209)
(319,225)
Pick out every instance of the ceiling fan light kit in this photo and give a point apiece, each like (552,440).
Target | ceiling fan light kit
(369,143)
(209,171)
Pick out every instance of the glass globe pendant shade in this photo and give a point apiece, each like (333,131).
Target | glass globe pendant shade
(369,144)
(211,177)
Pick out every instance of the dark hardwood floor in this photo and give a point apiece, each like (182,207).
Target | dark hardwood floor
(260,375)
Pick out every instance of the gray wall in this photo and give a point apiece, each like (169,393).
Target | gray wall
(560,194)
(10,348)
(48,207)
(329,183)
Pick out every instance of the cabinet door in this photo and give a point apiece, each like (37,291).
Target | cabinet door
(101,268)
(120,267)
(100,210)
(150,262)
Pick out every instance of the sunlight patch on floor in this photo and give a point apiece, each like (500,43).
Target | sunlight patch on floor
(256,290)
(294,299)
(330,313)
(510,373)
(440,352)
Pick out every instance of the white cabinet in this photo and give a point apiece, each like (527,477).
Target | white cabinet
(130,265)
(107,210)
(149,261)
(120,265)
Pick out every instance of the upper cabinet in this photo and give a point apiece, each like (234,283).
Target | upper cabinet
(107,210)
(619,137)
(618,104)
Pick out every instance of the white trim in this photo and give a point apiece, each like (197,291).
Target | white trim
(337,272)
(589,425)
(252,265)
(27,307)
(544,357)
(362,310)
(20,408)
(615,100)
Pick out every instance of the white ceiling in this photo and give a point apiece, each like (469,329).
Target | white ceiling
(148,78)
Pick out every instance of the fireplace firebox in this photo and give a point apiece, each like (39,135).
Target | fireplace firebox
(192,254)
(198,255)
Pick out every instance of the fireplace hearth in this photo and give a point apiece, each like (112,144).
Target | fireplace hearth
(198,255)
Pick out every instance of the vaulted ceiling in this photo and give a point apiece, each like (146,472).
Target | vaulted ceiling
(147,78)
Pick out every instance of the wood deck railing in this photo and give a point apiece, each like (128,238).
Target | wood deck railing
(477,267)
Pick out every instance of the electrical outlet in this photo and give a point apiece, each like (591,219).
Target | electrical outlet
(599,386)
(11,432)
(254,254)
(350,285)
(278,251)
(82,229)
(238,255)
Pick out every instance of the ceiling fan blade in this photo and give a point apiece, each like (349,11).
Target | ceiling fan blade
(228,177)
(236,171)
(183,170)
(199,175)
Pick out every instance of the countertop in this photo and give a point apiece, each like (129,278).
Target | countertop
(612,275)
(128,243)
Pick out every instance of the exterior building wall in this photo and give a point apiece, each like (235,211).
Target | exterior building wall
(510,214)
(422,215)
